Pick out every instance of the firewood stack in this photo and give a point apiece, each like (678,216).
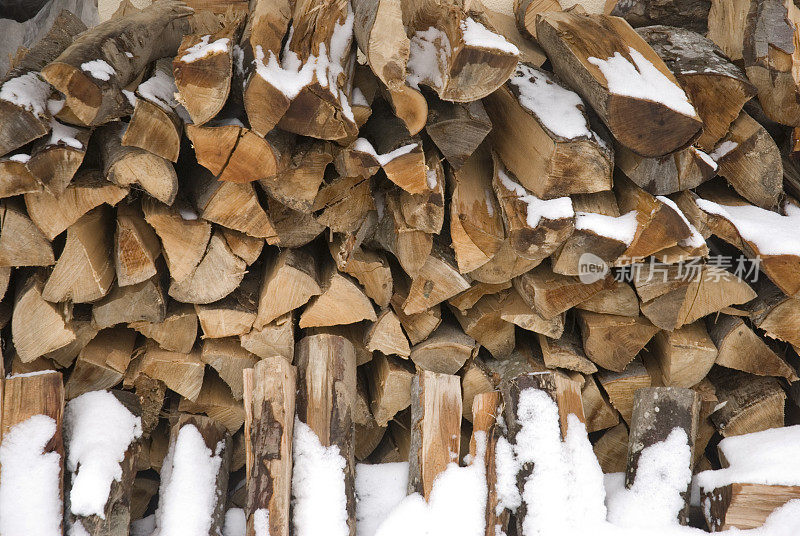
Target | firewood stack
(380,212)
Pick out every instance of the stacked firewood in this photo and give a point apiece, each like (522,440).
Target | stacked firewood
(382,212)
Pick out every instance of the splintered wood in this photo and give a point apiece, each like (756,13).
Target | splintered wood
(377,222)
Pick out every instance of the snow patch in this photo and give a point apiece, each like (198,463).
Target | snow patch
(477,35)
(61,133)
(549,209)
(379,489)
(642,80)
(159,89)
(364,146)
(695,240)
(722,149)
(30,479)
(235,523)
(620,228)
(428,57)
(204,48)
(20,157)
(99,69)
(27,91)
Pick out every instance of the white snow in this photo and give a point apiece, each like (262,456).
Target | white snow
(456,505)
(30,500)
(654,499)
(769,457)
(128,54)
(144,526)
(28,374)
(621,228)
(55,105)
(379,489)
(98,429)
(159,89)
(28,91)
(506,468)
(289,76)
(187,496)
(770,232)
(204,48)
(363,145)
(261,522)
(642,80)
(77,529)
(99,69)
(429,54)
(235,523)
(490,200)
(61,133)
(705,157)
(722,149)
(20,157)
(187,214)
(695,240)
(430,177)
(318,491)
(132,99)
(358,98)
(477,35)
(559,109)
(238,59)
(549,209)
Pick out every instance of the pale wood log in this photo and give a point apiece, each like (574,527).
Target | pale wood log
(21,242)
(551,294)
(353,333)
(54,213)
(326,395)
(465,300)
(38,326)
(181,372)
(102,363)
(290,280)
(418,325)
(644,126)
(148,35)
(425,211)
(611,449)
(269,400)
(83,326)
(599,412)
(747,403)
(144,301)
(341,301)
(565,352)
(486,410)
(215,401)
(437,281)
(435,428)
(126,166)
(683,357)
(370,268)
(505,24)
(16,178)
(657,411)
(231,152)
(233,315)
(246,247)
(474,383)
(56,158)
(619,299)
(444,351)
(457,129)
(409,245)
(229,359)
(386,335)
(84,272)
(684,169)
(368,433)
(777,315)
(300,171)
(744,506)
(344,203)
(621,386)
(389,380)
(176,332)
(742,349)
(136,246)
(484,322)
(217,275)
(525,12)
(689,14)
(274,339)
(517,311)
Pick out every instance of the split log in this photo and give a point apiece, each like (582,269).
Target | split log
(570,158)
(474,293)
(176,332)
(745,506)
(24,397)
(229,359)
(505,24)
(435,428)
(56,158)
(612,448)
(21,242)
(290,280)
(183,373)
(476,224)
(484,322)
(747,403)
(269,399)
(682,357)
(143,301)
(418,325)
(742,349)
(467,68)
(300,171)
(233,315)
(551,294)
(84,329)
(525,12)
(126,166)
(15,177)
(621,386)
(84,272)
(136,246)
(457,129)
(151,395)
(777,315)
(102,363)
(353,333)
(116,517)
(444,351)
(437,281)
(370,268)
(92,71)
(217,275)
(24,102)
(246,247)
(598,411)
(389,380)
(486,409)
(231,205)
(425,211)
(517,311)
(474,382)
(155,125)
(689,14)
(704,72)
(325,398)
(231,152)
(566,353)
(386,336)
(203,68)
(184,237)
(218,445)
(618,299)
(684,169)
(657,412)
(38,326)
(658,124)
(368,434)
(274,339)
(320,40)
(409,245)
(343,204)
(340,301)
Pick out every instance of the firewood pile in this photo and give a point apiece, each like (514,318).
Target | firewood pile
(371,228)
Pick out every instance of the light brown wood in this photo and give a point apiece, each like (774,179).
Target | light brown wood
(144,301)
(435,427)
(437,281)
(341,301)
(484,322)
(620,386)
(181,372)
(38,326)
(386,335)
(217,275)
(21,242)
(389,382)
(745,506)
(370,268)
(229,359)
(683,357)
(176,332)
(274,339)
(599,412)
(565,352)
(747,403)
(418,325)
(102,363)
(551,294)
(269,399)
(486,410)
(136,246)
(445,350)
(611,449)
(290,280)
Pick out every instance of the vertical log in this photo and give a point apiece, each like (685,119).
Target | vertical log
(269,397)
(486,407)
(326,394)
(435,428)
(657,411)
